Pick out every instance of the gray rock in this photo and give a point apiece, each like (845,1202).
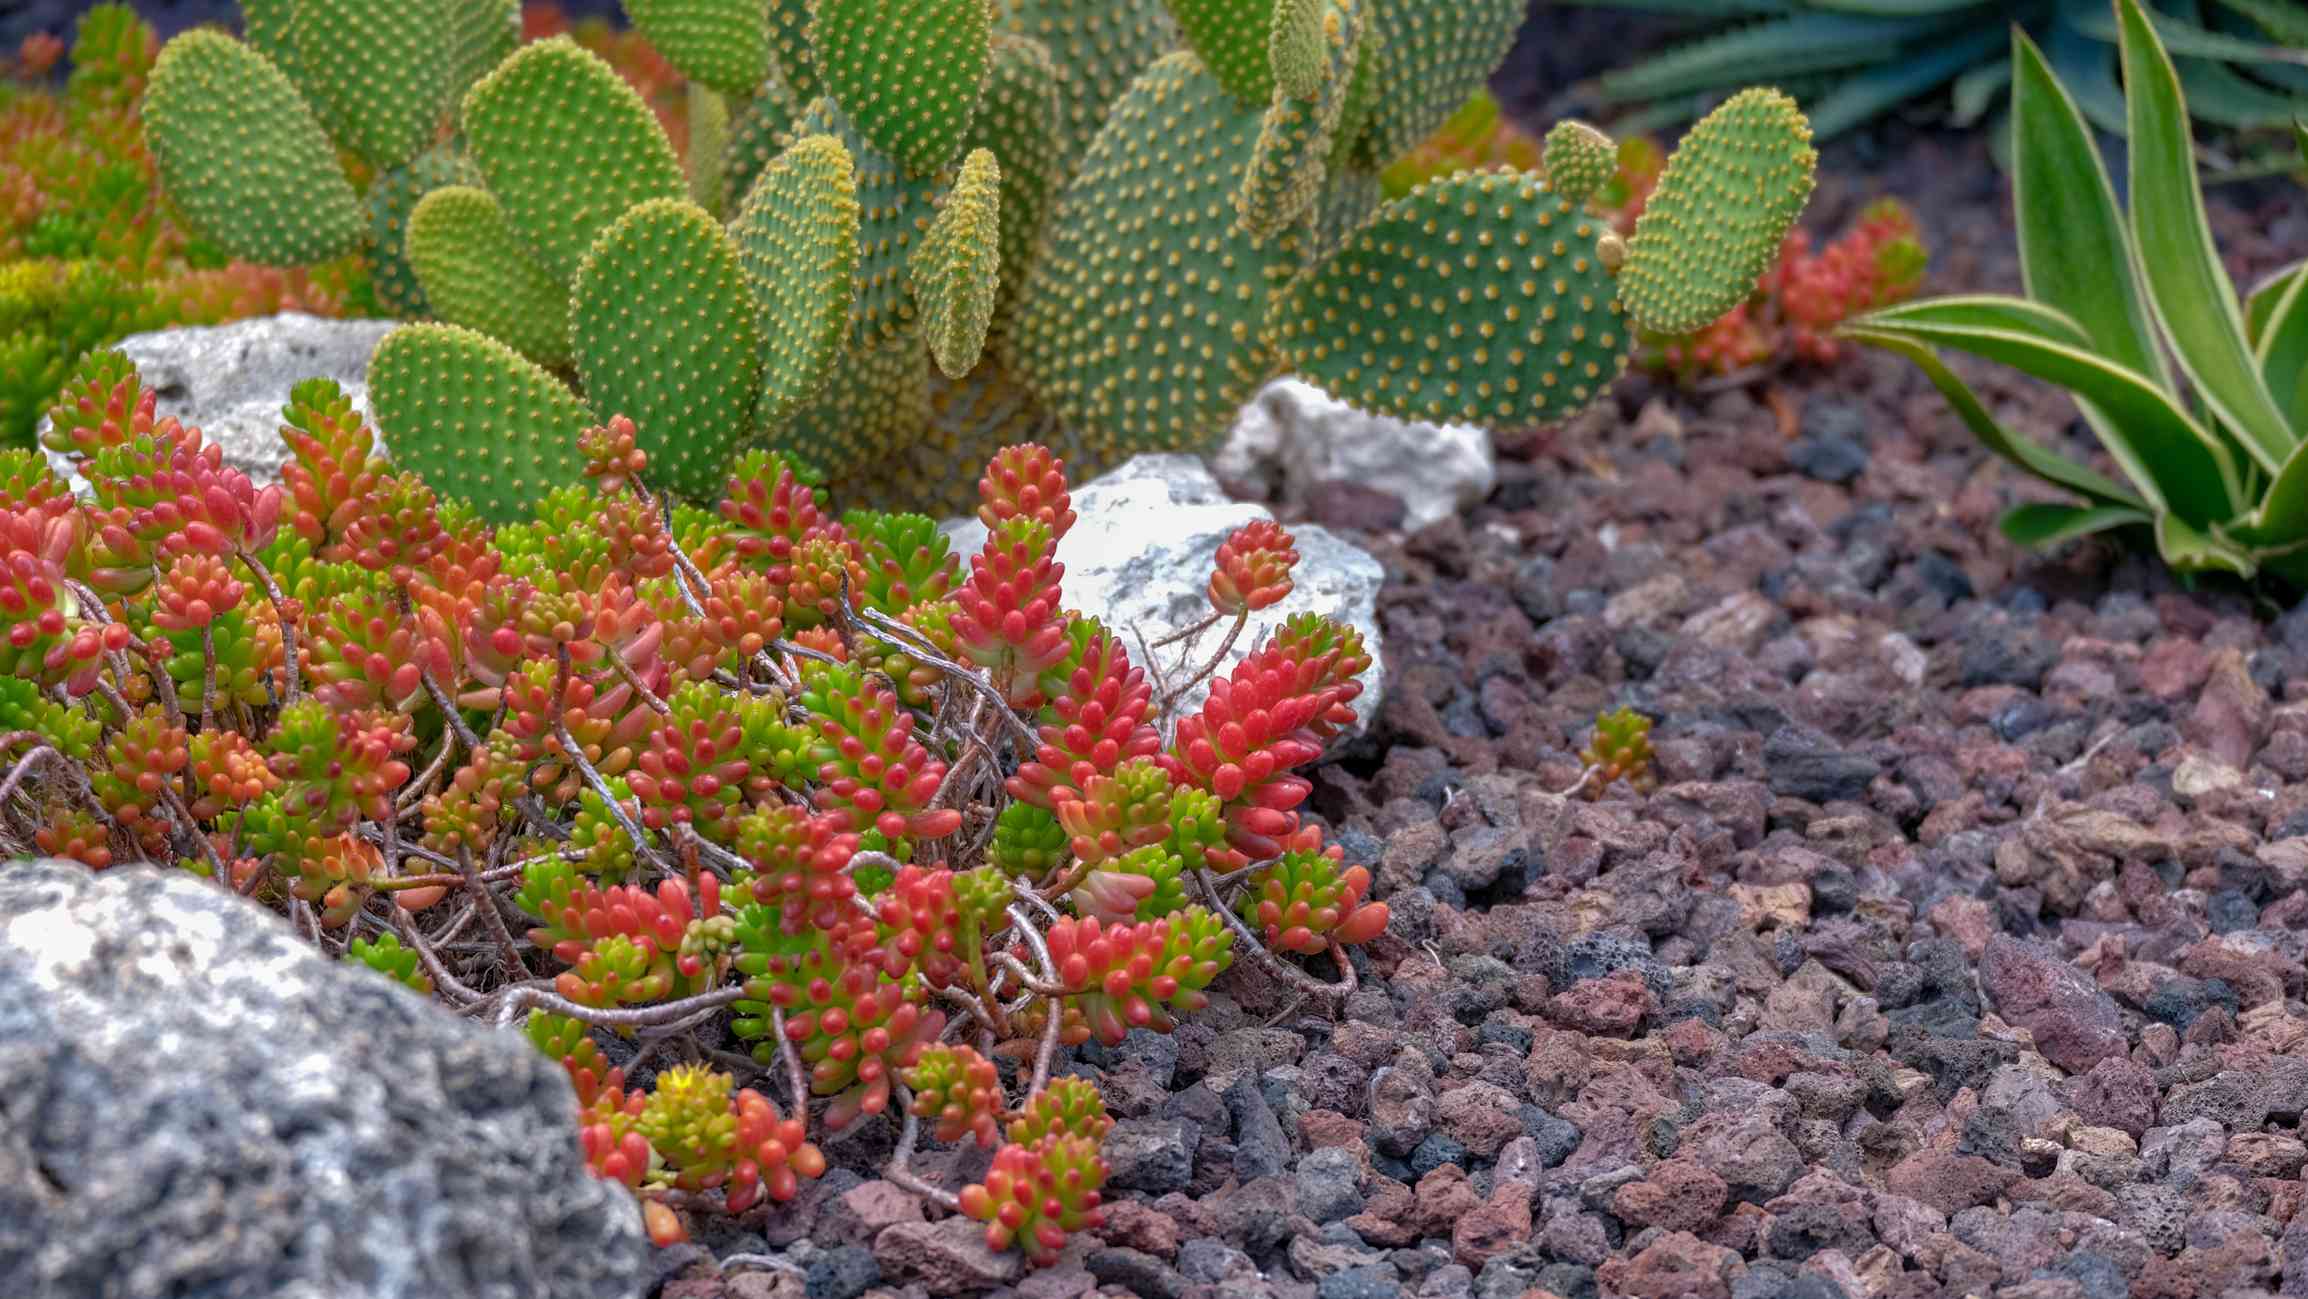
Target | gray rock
(844,1272)
(230,381)
(200,1103)
(1151,1155)
(1137,1272)
(1260,1147)
(1138,559)
(1327,1182)
(1369,1281)
(1294,437)
(2075,1024)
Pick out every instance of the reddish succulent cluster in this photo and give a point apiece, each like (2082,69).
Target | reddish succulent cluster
(815,779)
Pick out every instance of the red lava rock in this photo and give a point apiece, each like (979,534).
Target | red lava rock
(1132,1224)
(1678,1265)
(1611,1007)
(1947,1181)
(1482,1117)
(1678,1195)
(1495,1227)
(2075,1024)
(1442,1198)
(2231,714)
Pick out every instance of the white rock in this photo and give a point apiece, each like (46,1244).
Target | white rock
(1294,437)
(1138,559)
(230,381)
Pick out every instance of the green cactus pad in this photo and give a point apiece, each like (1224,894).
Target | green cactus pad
(1295,48)
(723,44)
(392,199)
(1018,121)
(1428,58)
(708,149)
(957,270)
(1349,201)
(567,147)
(243,158)
(1288,168)
(663,330)
(475,273)
(375,74)
(759,130)
(1475,299)
(1731,191)
(482,34)
(908,72)
(969,420)
(1232,39)
(797,242)
(874,407)
(893,214)
(269,27)
(1098,48)
(1579,160)
(1140,325)
(474,420)
(789,52)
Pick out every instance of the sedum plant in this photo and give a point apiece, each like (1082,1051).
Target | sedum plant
(907,235)
(1852,61)
(897,824)
(2199,396)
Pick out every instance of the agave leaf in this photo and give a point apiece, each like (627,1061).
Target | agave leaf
(2039,524)
(2046,464)
(2075,253)
(1976,90)
(2218,94)
(2282,517)
(2187,39)
(2283,348)
(2087,70)
(2285,20)
(1807,42)
(2177,463)
(1894,83)
(2187,286)
(2186,548)
(2261,302)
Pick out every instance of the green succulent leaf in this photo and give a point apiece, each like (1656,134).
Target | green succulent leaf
(2187,286)
(2040,524)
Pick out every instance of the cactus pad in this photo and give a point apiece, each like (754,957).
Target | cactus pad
(908,72)
(475,273)
(1427,58)
(1478,299)
(1579,160)
(567,147)
(243,158)
(662,327)
(1287,170)
(893,214)
(1726,201)
(958,268)
(789,54)
(797,242)
(873,407)
(1098,48)
(482,34)
(1295,48)
(1018,120)
(392,199)
(1231,37)
(474,419)
(723,44)
(1140,326)
(375,74)
(759,129)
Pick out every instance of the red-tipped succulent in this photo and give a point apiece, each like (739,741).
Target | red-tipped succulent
(1252,571)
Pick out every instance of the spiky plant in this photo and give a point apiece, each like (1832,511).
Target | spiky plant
(931,229)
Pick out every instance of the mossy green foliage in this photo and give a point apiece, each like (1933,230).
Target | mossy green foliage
(474,419)
(797,242)
(1140,327)
(476,272)
(375,72)
(722,44)
(957,270)
(242,156)
(1730,193)
(907,72)
(663,332)
(567,146)
(51,313)
(1478,299)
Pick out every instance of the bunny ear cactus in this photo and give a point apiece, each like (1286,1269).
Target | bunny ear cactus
(2200,404)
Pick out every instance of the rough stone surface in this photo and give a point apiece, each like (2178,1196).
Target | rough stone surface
(230,381)
(946,1257)
(195,1102)
(2075,1024)
(1138,559)
(1294,439)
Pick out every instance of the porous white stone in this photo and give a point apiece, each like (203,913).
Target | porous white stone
(1293,437)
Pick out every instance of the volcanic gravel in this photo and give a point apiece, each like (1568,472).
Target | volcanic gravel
(1960,949)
